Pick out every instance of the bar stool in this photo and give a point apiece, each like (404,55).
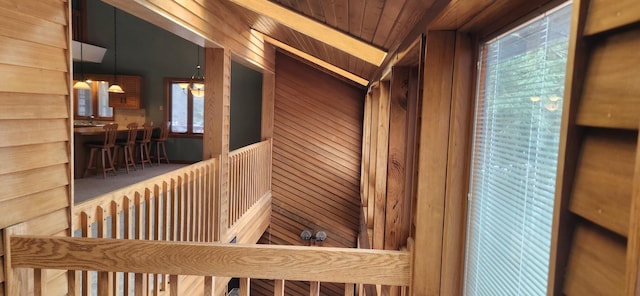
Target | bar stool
(143,144)
(129,146)
(159,141)
(105,148)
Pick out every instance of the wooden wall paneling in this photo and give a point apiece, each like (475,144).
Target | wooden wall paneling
(458,166)
(382,152)
(32,106)
(316,156)
(602,187)
(606,15)
(21,132)
(596,264)
(14,24)
(396,163)
(375,110)
(434,138)
(21,158)
(570,135)
(48,178)
(323,141)
(341,177)
(268,101)
(25,53)
(457,13)
(611,96)
(14,210)
(632,286)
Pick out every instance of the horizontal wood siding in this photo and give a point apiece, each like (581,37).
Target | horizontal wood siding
(596,238)
(316,162)
(34,128)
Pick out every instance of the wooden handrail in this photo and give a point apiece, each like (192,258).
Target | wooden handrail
(245,261)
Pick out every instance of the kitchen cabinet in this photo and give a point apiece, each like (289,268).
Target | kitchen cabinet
(100,103)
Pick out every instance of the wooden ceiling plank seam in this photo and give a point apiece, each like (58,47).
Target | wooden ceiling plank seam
(372,12)
(410,16)
(356,16)
(315,29)
(388,18)
(458,13)
(421,27)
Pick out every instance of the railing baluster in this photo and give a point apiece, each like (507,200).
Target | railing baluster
(278,288)
(39,282)
(127,206)
(349,289)
(116,227)
(140,279)
(314,288)
(87,231)
(245,286)
(105,279)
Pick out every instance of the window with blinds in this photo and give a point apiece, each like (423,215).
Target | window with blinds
(514,157)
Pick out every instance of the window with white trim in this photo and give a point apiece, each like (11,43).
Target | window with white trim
(514,157)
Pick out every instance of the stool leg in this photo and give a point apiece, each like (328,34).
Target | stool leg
(90,163)
(164,152)
(104,168)
(110,159)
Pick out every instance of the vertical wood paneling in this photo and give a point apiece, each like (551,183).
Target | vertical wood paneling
(34,128)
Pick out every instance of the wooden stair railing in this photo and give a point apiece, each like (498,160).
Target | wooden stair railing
(211,259)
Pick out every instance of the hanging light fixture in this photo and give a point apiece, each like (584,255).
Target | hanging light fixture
(81,84)
(115,88)
(195,85)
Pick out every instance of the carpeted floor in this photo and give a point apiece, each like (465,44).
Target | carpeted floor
(95,185)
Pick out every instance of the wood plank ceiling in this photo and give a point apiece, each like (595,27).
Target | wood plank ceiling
(384,24)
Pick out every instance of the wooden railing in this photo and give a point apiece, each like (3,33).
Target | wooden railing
(249,177)
(157,238)
(177,206)
(296,263)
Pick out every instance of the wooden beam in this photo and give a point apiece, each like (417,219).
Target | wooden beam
(458,167)
(432,165)
(382,152)
(297,263)
(316,30)
(215,140)
(314,60)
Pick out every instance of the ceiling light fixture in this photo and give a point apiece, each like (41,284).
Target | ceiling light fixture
(195,85)
(81,84)
(115,88)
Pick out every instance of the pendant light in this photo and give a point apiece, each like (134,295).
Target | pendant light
(115,88)
(81,84)
(195,86)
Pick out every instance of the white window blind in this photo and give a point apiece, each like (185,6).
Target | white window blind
(514,157)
